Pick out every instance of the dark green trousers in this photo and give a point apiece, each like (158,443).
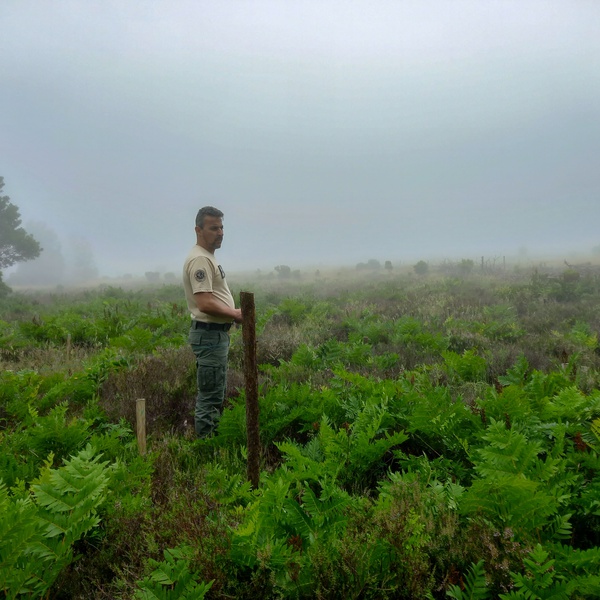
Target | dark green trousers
(211,349)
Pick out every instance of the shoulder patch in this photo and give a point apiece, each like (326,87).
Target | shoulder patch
(200,275)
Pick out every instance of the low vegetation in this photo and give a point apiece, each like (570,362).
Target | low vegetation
(424,435)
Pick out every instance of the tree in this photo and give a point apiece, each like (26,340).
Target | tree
(283,271)
(16,245)
(421,268)
(50,267)
(4,289)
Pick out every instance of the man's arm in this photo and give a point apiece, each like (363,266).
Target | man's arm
(211,305)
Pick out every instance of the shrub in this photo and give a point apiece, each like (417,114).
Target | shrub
(421,268)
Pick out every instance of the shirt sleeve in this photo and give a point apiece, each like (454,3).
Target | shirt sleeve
(201,275)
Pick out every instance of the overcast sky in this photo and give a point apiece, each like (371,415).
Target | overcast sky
(330,132)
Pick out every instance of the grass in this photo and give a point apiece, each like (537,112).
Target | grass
(345,362)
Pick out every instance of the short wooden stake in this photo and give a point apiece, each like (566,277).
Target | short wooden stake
(140,418)
(251,377)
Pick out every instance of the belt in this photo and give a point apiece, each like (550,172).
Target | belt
(209,326)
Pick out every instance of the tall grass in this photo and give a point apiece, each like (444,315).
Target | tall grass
(420,435)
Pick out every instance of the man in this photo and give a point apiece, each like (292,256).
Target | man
(213,311)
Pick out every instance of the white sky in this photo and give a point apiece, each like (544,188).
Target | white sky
(329,132)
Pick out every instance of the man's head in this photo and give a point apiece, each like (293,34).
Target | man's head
(209,228)
(207,211)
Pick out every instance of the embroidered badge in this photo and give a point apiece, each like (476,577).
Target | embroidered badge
(222,272)
(200,275)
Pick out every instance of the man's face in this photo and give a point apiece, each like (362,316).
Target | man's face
(210,236)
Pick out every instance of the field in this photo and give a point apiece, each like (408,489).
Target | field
(423,436)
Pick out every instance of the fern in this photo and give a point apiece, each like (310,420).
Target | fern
(507,451)
(441,423)
(569,404)
(40,528)
(20,529)
(284,526)
(314,517)
(580,566)
(475,585)
(559,528)
(515,487)
(516,375)
(582,335)
(68,497)
(228,488)
(466,366)
(172,578)
(54,433)
(542,386)
(568,573)
(307,463)
(541,581)
(593,438)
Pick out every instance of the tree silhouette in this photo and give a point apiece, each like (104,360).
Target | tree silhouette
(16,245)
(421,268)
(50,267)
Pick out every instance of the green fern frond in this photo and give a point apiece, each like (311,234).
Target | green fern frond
(475,585)
(19,531)
(37,542)
(559,528)
(228,488)
(172,578)
(541,580)
(581,564)
(517,374)
(595,430)
(508,451)
(569,404)
(69,496)
(300,520)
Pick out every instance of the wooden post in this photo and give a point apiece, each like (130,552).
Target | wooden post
(140,418)
(251,377)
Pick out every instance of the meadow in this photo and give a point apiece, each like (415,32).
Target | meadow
(422,436)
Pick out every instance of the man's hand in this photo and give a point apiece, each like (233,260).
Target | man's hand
(211,305)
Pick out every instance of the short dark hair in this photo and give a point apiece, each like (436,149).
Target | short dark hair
(207,211)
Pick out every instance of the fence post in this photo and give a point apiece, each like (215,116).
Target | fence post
(251,378)
(140,419)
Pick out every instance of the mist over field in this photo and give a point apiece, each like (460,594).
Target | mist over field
(329,133)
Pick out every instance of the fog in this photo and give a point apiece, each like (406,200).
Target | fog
(329,132)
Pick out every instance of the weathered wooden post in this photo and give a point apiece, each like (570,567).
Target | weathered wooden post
(251,377)
(140,418)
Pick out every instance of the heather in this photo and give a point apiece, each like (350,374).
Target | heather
(425,433)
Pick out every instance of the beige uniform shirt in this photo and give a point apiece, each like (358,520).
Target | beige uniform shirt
(202,273)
